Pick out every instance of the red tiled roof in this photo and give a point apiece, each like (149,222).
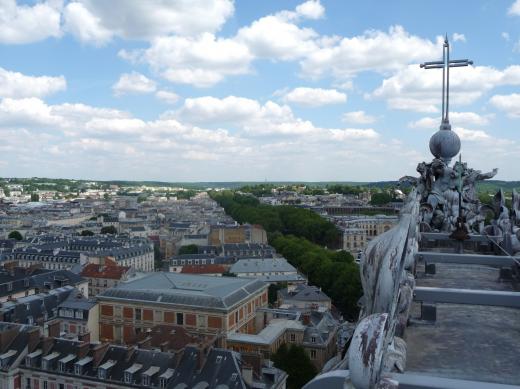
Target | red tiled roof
(203,269)
(109,270)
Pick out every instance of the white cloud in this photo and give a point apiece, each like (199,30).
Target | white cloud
(311,9)
(505,36)
(471,135)
(357,117)
(133,83)
(98,21)
(201,61)
(507,103)
(314,97)
(26,24)
(167,96)
(456,118)
(277,37)
(354,133)
(84,25)
(514,9)
(416,89)
(372,51)
(459,37)
(17,85)
(211,109)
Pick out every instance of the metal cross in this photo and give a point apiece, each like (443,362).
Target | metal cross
(446,64)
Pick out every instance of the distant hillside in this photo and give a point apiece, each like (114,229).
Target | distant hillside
(50,183)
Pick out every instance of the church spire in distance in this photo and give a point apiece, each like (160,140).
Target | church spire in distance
(445,144)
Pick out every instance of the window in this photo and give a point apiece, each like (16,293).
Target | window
(137,312)
(202,321)
(146,380)
(313,339)
(293,338)
(158,316)
(45,385)
(77,369)
(117,311)
(9,286)
(313,354)
(102,374)
(163,382)
(62,367)
(180,318)
(128,377)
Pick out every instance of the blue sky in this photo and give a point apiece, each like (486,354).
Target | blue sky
(216,90)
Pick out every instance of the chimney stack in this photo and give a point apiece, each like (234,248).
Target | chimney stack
(83,349)
(84,337)
(53,329)
(99,352)
(33,338)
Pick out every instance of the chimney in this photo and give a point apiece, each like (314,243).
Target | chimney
(7,336)
(47,345)
(33,338)
(145,343)
(203,353)
(84,337)
(98,353)
(306,318)
(247,375)
(83,349)
(53,329)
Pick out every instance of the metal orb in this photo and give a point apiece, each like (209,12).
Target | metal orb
(445,144)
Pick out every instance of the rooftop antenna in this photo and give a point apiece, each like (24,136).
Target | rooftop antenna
(445,145)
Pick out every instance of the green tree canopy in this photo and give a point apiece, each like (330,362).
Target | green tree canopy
(15,235)
(87,233)
(296,363)
(109,230)
(381,198)
(189,249)
(35,197)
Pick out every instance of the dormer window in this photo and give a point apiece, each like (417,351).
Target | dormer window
(102,374)
(128,377)
(78,369)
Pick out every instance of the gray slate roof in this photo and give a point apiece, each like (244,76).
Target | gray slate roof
(185,289)
(262,265)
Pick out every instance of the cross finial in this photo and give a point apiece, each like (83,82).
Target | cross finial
(446,64)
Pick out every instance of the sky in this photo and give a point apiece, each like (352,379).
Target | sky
(222,90)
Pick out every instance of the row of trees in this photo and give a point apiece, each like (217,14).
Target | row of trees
(299,235)
(283,219)
(334,271)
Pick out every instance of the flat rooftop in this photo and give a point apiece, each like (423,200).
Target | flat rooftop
(472,342)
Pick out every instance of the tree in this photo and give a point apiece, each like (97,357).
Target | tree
(382,198)
(109,230)
(272,292)
(227,273)
(15,235)
(296,363)
(189,249)
(157,258)
(35,197)
(87,233)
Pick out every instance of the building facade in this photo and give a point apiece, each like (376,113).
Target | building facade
(200,304)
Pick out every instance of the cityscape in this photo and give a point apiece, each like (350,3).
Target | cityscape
(259,195)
